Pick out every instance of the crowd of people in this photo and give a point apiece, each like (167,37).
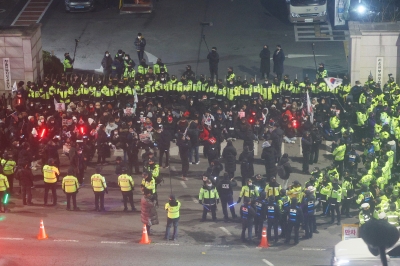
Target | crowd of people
(147,108)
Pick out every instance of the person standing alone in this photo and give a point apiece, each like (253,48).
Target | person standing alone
(213,60)
(140,43)
(172,207)
(265,65)
(278,59)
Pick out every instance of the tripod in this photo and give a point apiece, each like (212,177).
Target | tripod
(202,38)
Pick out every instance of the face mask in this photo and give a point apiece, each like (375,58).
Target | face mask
(107,55)
(44,86)
(191,102)
(209,185)
(250,184)
(79,152)
(120,54)
(126,58)
(84,83)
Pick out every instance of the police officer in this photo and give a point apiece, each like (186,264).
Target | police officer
(324,188)
(335,197)
(348,193)
(339,153)
(70,186)
(273,188)
(248,192)
(366,197)
(247,214)
(309,206)
(4,186)
(353,159)
(125,182)
(260,206)
(99,186)
(393,216)
(209,195)
(50,174)
(68,63)
(225,192)
(172,207)
(284,205)
(148,182)
(294,221)
(273,216)
(366,214)
(8,164)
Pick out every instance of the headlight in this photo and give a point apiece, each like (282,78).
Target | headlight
(294,15)
(323,13)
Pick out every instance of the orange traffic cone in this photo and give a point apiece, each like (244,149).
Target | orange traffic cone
(145,237)
(264,239)
(42,233)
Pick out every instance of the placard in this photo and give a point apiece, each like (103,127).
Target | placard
(7,74)
(350,231)
(379,70)
(60,107)
(128,111)
(241,114)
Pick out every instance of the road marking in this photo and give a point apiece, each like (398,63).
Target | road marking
(113,242)
(256,148)
(305,55)
(315,249)
(217,246)
(301,150)
(10,238)
(225,230)
(151,58)
(66,240)
(183,184)
(267,262)
(246,247)
(283,148)
(166,244)
(195,200)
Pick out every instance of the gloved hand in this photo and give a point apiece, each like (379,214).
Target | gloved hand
(201,202)
(106,190)
(217,201)
(239,200)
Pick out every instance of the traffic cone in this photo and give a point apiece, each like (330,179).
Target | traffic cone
(42,233)
(145,236)
(264,239)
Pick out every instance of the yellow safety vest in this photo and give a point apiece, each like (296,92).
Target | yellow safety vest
(98,183)
(49,173)
(8,166)
(3,183)
(125,182)
(70,184)
(173,211)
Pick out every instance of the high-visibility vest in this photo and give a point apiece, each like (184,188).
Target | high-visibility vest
(173,211)
(50,174)
(70,184)
(98,183)
(125,182)
(3,183)
(8,166)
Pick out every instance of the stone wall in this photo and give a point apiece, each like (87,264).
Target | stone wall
(23,46)
(370,42)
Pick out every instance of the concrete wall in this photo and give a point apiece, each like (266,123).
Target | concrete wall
(369,41)
(23,46)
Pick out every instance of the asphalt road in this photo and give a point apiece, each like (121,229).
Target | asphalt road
(104,238)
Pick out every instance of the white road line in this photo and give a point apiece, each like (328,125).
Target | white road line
(166,244)
(267,262)
(255,148)
(113,242)
(301,150)
(226,231)
(66,240)
(315,249)
(19,14)
(183,184)
(10,238)
(283,148)
(217,246)
(195,200)
(328,145)
(44,12)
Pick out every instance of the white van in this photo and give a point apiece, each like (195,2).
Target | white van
(307,11)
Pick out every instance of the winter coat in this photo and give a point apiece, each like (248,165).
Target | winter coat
(213,59)
(140,43)
(106,63)
(229,154)
(165,140)
(269,155)
(278,59)
(246,160)
(193,134)
(306,143)
(284,162)
(276,137)
(265,56)
(25,177)
(102,146)
(184,147)
(148,211)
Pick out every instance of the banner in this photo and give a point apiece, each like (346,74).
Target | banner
(339,19)
(7,74)
(332,83)
(310,110)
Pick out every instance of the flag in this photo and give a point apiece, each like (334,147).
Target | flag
(310,110)
(14,115)
(14,87)
(333,82)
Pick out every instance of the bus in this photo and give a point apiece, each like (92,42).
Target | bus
(307,11)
